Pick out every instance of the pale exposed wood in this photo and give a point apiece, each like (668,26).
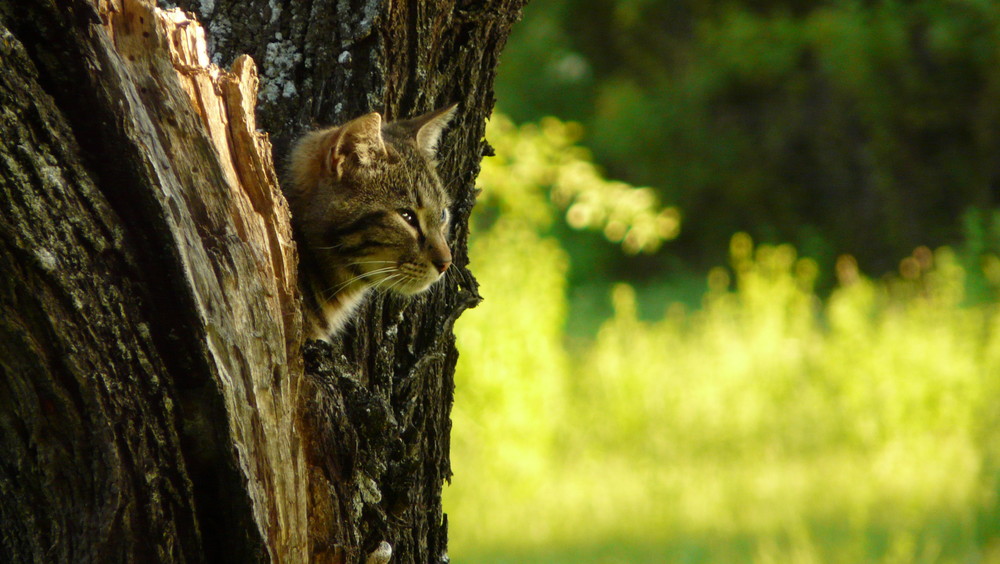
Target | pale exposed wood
(220,186)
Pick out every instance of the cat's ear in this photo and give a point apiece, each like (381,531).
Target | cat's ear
(428,127)
(361,138)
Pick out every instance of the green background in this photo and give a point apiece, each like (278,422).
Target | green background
(772,337)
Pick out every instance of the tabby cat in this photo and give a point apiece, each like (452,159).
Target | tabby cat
(369,212)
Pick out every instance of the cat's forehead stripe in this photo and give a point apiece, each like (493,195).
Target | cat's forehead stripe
(356,249)
(419,198)
(423,189)
(360,224)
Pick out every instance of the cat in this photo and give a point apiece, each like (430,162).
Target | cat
(368,211)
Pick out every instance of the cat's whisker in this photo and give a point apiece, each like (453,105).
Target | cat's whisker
(388,282)
(361,276)
(331,247)
(402,280)
(449,273)
(368,274)
(382,282)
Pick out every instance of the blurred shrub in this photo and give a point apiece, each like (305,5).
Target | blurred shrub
(768,425)
(515,335)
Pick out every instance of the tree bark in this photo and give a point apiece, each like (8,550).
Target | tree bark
(156,400)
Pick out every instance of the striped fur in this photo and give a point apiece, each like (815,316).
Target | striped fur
(369,212)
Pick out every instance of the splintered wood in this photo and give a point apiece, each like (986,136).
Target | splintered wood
(217,185)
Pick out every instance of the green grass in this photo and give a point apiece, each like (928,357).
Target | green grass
(818,542)
(767,426)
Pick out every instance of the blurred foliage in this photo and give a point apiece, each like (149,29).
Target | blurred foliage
(785,407)
(537,167)
(767,425)
(865,127)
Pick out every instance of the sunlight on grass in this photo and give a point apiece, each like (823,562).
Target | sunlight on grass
(768,425)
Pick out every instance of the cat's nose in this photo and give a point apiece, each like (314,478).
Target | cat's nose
(440,254)
(442,264)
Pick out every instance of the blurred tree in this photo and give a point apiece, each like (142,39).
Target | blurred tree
(848,126)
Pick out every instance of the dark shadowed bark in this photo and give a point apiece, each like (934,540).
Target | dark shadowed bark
(156,400)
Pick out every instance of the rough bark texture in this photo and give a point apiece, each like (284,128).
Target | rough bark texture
(384,394)
(153,403)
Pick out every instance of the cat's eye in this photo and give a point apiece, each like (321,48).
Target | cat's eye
(409,217)
(444,216)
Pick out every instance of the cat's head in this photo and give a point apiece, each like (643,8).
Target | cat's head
(368,203)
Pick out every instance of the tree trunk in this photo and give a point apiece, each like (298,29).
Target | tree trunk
(156,400)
